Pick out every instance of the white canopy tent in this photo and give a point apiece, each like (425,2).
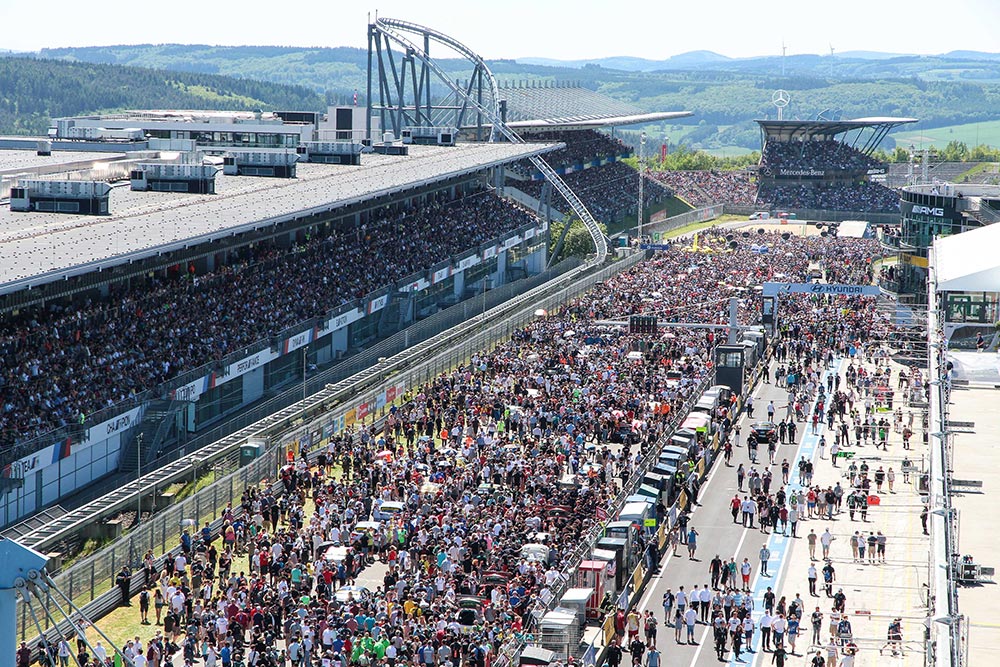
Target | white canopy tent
(968,262)
(854,229)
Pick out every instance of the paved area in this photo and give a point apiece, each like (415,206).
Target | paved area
(876,593)
(977,458)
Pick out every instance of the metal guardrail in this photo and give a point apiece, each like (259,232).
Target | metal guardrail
(944,645)
(92,578)
(166,469)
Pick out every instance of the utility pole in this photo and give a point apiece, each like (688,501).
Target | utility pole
(642,156)
(305,359)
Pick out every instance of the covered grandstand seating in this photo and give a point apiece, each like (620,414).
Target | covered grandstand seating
(66,361)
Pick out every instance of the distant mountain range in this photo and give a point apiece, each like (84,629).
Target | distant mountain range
(694,60)
(950,90)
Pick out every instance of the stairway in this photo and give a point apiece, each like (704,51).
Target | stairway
(158,414)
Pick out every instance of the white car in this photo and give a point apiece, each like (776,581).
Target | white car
(352,592)
(387,510)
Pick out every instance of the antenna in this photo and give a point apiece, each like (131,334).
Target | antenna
(783,50)
(831,61)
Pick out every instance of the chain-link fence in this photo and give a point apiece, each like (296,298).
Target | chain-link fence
(91,579)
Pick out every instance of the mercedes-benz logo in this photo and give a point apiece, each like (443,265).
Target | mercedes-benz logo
(780,98)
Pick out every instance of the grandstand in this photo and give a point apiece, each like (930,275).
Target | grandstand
(260,282)
(565,105)
(590,162)
(824,165)
(710,187)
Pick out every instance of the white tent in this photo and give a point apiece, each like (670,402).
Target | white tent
(968,262)
(854,229)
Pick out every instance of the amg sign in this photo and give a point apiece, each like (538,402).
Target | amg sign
(937,212)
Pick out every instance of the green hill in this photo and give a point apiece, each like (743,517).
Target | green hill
(34,90)
(726,95)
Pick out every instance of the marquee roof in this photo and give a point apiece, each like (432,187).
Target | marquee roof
(968,262)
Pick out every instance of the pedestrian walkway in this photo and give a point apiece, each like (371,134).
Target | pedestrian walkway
(876,593)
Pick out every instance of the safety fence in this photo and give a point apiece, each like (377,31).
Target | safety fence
(90,583)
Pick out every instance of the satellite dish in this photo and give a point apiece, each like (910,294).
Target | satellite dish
(819,225)
(734,245)
(760,231)
(786,236)
(745,235)
(823,234)
(730,237)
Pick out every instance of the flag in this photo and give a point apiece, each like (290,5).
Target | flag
(355,98)
(602,514)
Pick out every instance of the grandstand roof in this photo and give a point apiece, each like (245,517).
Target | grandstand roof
(17,161)
(572,107)
(788,130)
(36,248)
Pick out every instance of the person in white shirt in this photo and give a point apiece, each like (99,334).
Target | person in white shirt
(690,620)
(778,627)
(706,603)
(100,652)
(680,600)
(765,631)
(826,539)
(64,652)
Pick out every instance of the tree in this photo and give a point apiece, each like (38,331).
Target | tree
(578,241)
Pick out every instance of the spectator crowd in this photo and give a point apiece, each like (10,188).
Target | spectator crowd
(708,187)
(581,146)
(829,155)
(524,445)
(65,361)
(609,192)
(863,196)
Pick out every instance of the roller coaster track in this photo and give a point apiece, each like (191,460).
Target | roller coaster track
(397,30)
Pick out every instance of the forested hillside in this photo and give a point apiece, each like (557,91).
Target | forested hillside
(725,95)
(34,90)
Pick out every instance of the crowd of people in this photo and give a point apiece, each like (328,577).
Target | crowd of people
(60,363)
(581,146)
(524,445)
(609,192)
(708,187)
(864,196)
(825,155)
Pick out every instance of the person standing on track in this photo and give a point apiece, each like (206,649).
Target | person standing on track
(715,569)
(765,554)
(668,606)
(690,620)
(745,570)
(692,542)
(706,603)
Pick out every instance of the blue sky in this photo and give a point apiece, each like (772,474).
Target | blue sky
(567,29)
